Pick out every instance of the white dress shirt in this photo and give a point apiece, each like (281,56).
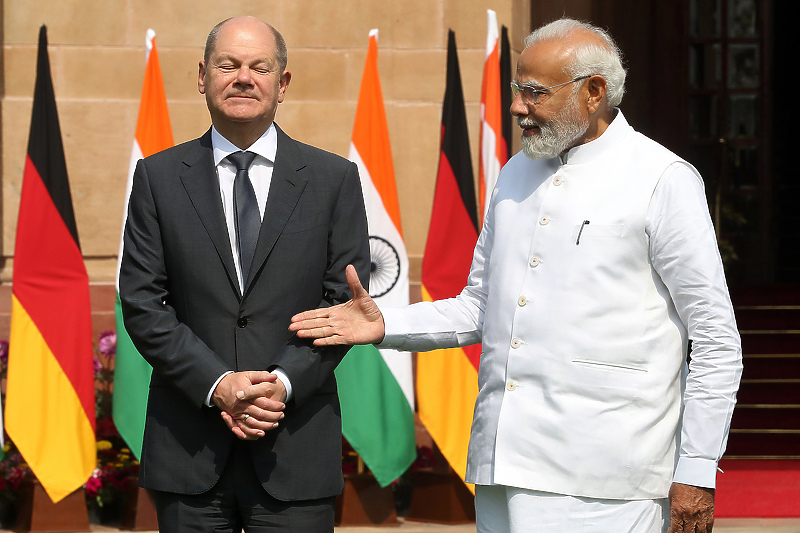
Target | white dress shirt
(582,375)
(260,173)
(265,148)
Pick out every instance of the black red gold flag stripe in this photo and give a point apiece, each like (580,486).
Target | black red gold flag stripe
(447,380)
(50,393)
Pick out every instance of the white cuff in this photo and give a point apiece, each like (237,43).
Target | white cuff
(697,472)
(278,371)
(214,387)
(403,334)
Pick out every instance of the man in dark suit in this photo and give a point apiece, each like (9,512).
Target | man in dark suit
(212,322)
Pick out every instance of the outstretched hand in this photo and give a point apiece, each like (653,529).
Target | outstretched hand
(358,321)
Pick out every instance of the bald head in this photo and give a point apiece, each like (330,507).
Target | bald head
(281,52)
(584,50)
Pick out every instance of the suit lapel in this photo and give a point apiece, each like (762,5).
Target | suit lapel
(202,185)
(285,188)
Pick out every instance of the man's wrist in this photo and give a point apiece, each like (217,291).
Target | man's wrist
(209,397)
(287,384)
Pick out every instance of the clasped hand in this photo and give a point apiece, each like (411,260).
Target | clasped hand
(251,402)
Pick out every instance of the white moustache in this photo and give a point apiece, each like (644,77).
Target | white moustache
(527,123)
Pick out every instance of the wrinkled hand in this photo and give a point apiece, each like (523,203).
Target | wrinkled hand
(358,321)
(249,417)
(691,509)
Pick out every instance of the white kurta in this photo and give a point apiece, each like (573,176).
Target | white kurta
(589,275)
(511,510)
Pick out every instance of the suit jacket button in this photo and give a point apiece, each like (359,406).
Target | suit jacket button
(242,322)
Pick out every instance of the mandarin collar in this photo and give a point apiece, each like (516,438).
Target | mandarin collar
(585,153)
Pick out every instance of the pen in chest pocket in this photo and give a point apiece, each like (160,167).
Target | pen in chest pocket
(578,240)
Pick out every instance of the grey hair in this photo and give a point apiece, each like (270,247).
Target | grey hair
(588,58)
(281,53)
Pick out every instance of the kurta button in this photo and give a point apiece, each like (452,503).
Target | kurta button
(522,301)
(534,261)
(545,220)
(558,180)
(511,385)
(516,343)
(242,322)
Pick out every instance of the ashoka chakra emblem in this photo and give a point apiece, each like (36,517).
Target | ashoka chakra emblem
(384,268)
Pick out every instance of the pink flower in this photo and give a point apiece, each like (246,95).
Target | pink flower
(4,352)
(107,343)
(93,486)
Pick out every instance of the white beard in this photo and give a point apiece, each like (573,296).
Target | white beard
(556,136)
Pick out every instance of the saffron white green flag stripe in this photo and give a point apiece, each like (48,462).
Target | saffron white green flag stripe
(132,372)
(491,148)
(376,387)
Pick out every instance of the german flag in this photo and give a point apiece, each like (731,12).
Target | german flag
(50,394)
(447,380)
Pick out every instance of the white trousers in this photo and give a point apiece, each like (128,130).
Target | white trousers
(502,509)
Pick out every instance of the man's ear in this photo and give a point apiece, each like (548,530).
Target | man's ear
(201,78)
(286,77)
(596,87)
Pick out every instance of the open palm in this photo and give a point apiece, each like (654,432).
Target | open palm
(358,321)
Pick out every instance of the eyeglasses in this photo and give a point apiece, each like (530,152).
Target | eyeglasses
(531,95)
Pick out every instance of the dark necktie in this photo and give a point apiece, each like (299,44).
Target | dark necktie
(247,219)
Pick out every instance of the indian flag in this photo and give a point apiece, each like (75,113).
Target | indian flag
(491,147)
(132,372)
(376,386)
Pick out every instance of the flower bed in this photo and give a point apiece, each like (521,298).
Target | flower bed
(116,467)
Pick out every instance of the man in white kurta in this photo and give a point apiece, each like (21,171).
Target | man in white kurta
(597,263)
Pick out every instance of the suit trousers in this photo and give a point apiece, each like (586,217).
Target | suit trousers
(239,502)
(501,509)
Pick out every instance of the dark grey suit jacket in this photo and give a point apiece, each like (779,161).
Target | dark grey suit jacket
(185,313)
